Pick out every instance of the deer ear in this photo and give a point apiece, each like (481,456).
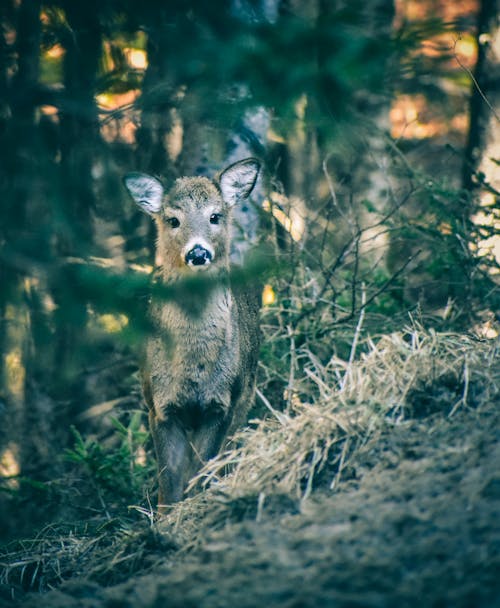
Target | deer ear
(146,190)
(237,181)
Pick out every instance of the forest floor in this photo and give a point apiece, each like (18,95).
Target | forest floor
(413,520)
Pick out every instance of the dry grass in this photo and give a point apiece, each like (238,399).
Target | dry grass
(284,456)
(408,374)
(108,554)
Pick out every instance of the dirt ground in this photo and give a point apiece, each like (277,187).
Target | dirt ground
(416,522)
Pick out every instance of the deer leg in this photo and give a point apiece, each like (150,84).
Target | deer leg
(174,455)
(206,442)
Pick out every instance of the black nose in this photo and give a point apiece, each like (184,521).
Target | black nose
(198,256)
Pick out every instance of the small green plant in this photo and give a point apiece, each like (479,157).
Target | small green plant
(119,472)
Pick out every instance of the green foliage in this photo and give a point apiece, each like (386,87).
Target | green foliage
(121,472)
(438,229)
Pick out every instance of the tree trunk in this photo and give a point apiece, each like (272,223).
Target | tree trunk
(156,101)
(80,140)
(80,155)
(19,208)
(482,150)
(6,15)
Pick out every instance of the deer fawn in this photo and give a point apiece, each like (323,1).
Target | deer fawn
(198,376)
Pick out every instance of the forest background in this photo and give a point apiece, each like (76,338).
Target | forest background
(377,123)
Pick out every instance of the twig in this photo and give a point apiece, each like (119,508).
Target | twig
(465,394)
(331,188)
(476,84)
(384,286)
(357,333)
(315,459)
(293,363)
(278,415)
(260,506)
(336,479)
(106,406)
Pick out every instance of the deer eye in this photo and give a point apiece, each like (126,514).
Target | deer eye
(215,218)
(173,222)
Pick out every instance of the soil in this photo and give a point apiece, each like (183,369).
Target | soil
(415,523)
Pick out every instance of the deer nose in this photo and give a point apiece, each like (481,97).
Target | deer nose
(198,256)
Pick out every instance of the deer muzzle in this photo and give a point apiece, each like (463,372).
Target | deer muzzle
(198,256)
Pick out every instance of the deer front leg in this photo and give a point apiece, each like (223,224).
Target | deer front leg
(206,442)
(174,455)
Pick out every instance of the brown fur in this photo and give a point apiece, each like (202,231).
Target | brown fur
(200,366)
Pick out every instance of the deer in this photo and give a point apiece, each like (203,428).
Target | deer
(199,364)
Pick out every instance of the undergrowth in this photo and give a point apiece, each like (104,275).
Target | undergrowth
(120,472)
(277,462)
(406,374)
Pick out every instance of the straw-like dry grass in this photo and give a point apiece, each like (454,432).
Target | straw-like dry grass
(413,373)
(106,555)
(286,455)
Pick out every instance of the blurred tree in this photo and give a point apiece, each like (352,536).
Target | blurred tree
(158,94)
(484,130)
(6,278)
(80,140)
(74,200)
(18,182)
(481,164)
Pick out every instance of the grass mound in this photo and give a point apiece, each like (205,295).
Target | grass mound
(106,554)
(337,410)
(403,375)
